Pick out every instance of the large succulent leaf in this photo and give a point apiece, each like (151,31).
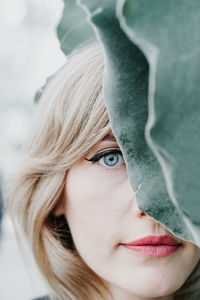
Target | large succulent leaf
(167,33)
(126,97)
(73,30)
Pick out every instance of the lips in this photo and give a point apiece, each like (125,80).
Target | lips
(156,246)
(155,240)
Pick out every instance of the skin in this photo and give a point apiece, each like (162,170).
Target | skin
(102,212)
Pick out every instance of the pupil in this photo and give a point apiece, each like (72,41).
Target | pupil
(111,159)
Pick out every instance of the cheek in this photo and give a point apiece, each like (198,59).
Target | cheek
(93,204)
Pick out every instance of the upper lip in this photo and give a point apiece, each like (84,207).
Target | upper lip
(154,240)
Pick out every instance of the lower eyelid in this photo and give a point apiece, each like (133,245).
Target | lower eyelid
(112,169)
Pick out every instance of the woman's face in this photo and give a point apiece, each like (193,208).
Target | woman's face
(102,213)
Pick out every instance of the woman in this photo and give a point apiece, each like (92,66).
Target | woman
(73,199)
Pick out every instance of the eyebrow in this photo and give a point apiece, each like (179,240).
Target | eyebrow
(109,137)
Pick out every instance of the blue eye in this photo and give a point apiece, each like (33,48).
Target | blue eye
(108,158)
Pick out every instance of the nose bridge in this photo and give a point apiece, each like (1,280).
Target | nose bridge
(133,206)
(134,212)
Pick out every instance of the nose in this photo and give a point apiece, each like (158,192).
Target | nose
(135,212)
(133,202)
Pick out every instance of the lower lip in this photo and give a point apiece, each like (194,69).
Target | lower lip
(154,250)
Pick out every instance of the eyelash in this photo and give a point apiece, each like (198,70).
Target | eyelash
(98,156)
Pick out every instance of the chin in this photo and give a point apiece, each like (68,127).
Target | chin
(161,292)
(151,292)
(153,287)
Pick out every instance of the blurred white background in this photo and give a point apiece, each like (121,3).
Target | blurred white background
(29,53)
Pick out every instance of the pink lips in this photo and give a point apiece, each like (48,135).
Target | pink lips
(156,246)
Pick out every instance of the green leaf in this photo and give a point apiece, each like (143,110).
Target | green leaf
(167,33)
(126,97)
(73,30)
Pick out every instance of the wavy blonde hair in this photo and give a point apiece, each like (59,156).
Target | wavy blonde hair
(71,119)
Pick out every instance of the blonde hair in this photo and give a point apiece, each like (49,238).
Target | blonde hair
(71,119)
